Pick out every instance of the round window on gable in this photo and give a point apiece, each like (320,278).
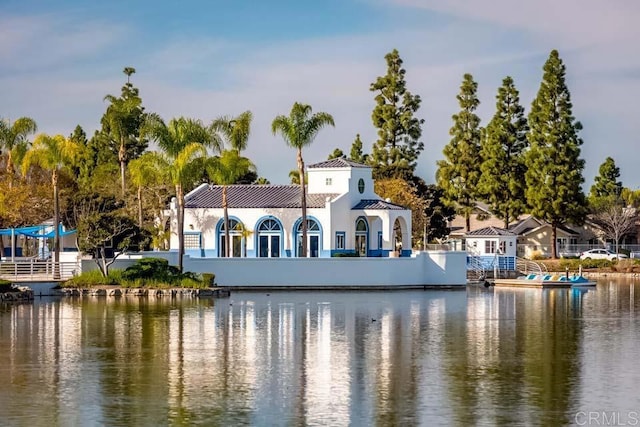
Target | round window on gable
(361,185)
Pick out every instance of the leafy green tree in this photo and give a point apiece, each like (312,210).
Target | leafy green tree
(396,151)
(336,154)
(458,174)
(185,142)
(554,167)
(121,125)
(606,183)
(502,151)
(299,130)
(356,153)
(235,131)
(631,197)
(52,153)
(14,138)
(103,224)
(403,193)
(262,181)
(429,216)
(225,170)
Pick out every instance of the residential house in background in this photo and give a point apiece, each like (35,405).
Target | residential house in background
(534,235)
(493,247)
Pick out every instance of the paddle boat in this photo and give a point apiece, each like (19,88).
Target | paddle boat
(546,281)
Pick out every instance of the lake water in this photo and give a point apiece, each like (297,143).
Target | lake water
(489,357)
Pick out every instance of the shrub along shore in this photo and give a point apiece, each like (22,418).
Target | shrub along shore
(146,273)
(593,266)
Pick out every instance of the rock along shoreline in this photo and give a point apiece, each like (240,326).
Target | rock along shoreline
(144,292)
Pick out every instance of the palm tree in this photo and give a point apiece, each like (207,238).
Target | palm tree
(234,130)
(144,171)
(225,170)
(118,117)
(299,130)
(52,153)
(13,138)
(129,71)
(294,176)
(185,142)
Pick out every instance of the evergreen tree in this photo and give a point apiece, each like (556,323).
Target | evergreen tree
(437,213)
(83,163)
(502,150)
(262,181)
(356,153)
(396,152)
(554,167)
(458,174)
(606,183)
(336,154)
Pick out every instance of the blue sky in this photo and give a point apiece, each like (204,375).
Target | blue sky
(204,59)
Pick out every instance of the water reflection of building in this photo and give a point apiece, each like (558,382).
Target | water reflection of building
(288,358)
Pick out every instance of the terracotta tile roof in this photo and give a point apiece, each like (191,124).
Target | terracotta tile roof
(254,197)
(339,162)
(376,204)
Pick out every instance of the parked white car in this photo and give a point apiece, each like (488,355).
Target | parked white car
(601,254)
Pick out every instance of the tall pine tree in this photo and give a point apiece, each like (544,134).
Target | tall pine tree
(502,149)
(606,183)
(458,174)
(396,151)
(356,153)
(554,167)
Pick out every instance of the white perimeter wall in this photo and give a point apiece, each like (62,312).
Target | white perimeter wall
(425,269)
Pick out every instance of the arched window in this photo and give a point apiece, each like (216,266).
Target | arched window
(236,247)
(269,238)
(362,237)
(312,225)
(314,239)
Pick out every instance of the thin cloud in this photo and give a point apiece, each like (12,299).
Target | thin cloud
(575,22)
(34,42)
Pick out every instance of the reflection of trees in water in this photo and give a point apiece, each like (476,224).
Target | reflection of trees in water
(517,358)
(131,338)
(494,357)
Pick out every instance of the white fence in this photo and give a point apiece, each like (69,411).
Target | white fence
(37,271)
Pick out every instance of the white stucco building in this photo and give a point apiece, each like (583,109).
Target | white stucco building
(344,215)
(493,246)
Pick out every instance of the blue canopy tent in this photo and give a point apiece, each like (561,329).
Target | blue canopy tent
(34,231)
